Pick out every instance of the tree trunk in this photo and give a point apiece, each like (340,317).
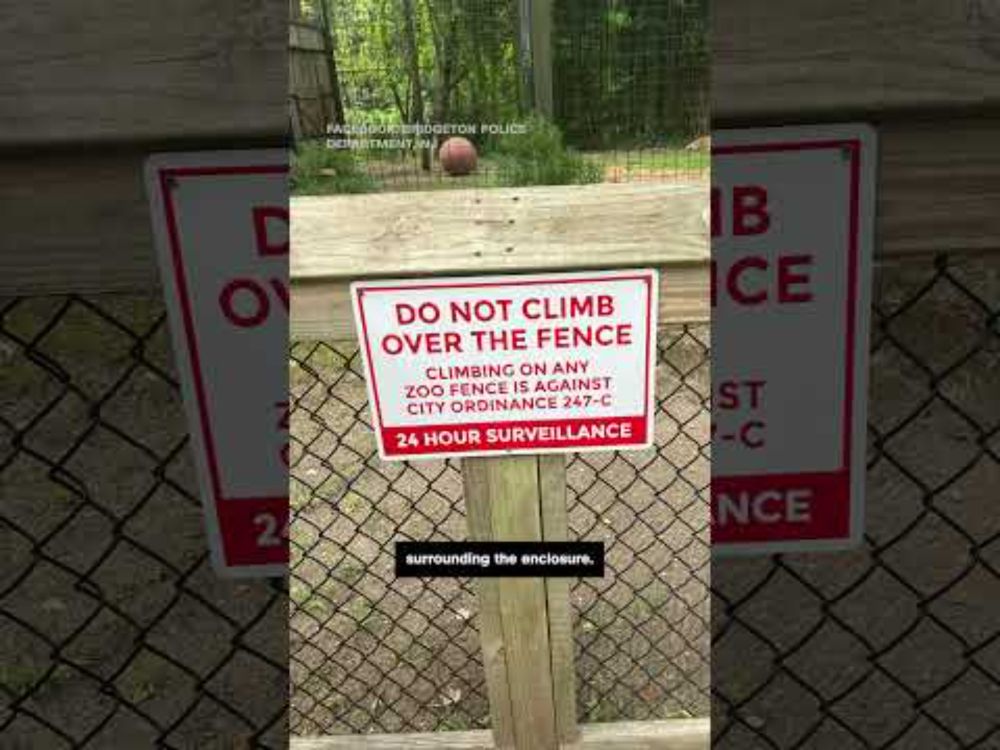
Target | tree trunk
(336,111)
(412,52)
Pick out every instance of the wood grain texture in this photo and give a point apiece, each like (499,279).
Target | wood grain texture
(322,309)
(514,497)
(498,230)
(475,740)
(938,186)
(676,734)
(306,37)
(475,481)
(76,224)
(79,222)
(119,71)
(805,58)
(525,623)
(555,528)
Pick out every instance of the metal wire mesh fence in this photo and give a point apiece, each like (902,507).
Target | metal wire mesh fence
(628,77)
(371,652)
(895,645)
(114,630)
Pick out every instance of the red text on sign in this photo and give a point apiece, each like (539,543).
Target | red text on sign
(248,302)
(741,211)
(765,506)
(270,225)
(752,280)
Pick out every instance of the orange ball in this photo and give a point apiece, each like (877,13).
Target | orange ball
(458,156)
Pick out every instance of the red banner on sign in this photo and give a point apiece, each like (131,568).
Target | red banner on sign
(515,436)
(781,506)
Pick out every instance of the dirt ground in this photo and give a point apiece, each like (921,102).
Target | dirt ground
(648,165)
(373,653)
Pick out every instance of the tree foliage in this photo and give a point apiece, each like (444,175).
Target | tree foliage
(426,60)
(631,72)
(625,72)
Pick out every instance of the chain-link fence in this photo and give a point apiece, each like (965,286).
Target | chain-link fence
(628,78)
(114,630)
(371,652)
(897,644)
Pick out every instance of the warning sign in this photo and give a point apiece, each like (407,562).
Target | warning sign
(221,226)
(792,222)
(509,364)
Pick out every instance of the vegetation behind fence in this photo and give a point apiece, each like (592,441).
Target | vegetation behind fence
(629,86)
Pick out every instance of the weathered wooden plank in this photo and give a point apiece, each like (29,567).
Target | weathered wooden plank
(475,480)
(475,740)
(803,58)
(114,70)
(555,528)
(525,623)
(504,229)
(79,222)
(305,37)
(677,734)
(75,224)
(322,309)
(938,186)
(514,499)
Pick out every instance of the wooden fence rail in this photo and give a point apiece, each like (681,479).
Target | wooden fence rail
(939,187)
(341,238)
(676,734)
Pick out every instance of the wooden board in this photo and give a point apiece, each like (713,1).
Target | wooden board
(305,36)
(117,71)
(79,222)
(505,493)
(503,229)
(806,58)
(938,186)
(488,619)
(555,528)
(322,309)
(76,224)
(677,734)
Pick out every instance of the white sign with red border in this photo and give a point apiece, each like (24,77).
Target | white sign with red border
(792,243)
(509,364)
(221,226)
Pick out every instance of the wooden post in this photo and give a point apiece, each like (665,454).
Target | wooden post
(335,109)
(524,623)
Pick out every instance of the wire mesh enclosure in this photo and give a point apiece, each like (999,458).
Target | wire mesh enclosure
(115,631)
(372,652)
(897,644)
(585,91)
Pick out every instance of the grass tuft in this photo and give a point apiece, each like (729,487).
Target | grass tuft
(318,170)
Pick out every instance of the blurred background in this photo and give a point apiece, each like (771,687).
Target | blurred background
(600,90)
